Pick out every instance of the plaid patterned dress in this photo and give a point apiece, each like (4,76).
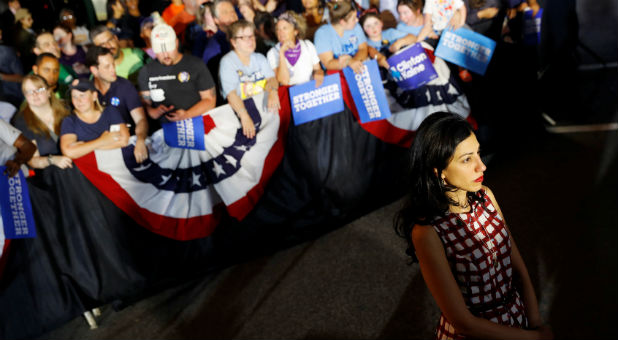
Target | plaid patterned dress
(478,250)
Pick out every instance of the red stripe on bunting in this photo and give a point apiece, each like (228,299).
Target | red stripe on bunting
(181,229)
(209,123)
(382,129)
(241,208)
(4,255)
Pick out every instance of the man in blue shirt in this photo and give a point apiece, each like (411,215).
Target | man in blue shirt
(120,93)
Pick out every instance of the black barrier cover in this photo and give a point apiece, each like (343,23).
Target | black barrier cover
(89,253)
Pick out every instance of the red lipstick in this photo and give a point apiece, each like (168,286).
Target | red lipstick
(479,180)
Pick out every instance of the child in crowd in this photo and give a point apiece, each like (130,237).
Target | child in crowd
(386,41)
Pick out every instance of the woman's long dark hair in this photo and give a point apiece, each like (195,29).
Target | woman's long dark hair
(434,145)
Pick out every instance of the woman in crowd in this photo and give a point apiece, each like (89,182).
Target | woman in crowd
(72,56)
(315,14)
(244,73)
(294,59)
(81,35)
(40,122)
(456,231)
(341,43)
(410,17)
(90,127)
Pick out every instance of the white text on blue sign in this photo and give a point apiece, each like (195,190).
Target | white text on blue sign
(308,100)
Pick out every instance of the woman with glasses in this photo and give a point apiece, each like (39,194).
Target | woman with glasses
(294,59)
(341,43)
(91,127)
(40,120)
(244,73)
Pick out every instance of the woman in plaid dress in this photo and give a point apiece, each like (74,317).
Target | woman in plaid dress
(455,229)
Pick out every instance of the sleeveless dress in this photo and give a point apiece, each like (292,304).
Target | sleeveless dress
(478,249)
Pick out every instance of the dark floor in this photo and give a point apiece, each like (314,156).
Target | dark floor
(557,191)
(559,196)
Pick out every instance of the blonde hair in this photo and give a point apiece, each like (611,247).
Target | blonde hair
(58,108)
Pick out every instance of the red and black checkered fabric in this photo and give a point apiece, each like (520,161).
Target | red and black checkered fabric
(485,283)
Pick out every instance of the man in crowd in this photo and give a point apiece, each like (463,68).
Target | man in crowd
(218,45)
(48,67)
(118,92)
(128,61)
(175,86)
(45,43)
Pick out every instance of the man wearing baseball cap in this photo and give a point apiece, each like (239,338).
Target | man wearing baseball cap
(174,87)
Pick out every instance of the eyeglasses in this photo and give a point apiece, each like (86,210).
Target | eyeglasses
(245,37)
(37,91)
(67,17)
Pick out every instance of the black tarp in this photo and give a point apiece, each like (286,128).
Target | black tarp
(89,253)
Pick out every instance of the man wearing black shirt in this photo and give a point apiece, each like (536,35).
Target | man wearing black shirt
(175,86)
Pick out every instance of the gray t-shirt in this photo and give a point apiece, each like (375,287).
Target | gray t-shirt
(246,80)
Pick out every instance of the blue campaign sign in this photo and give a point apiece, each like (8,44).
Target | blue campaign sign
(368,92)
(467,49)
(311,103)
(411,67)
(532,27)
(185,134)
(15,205)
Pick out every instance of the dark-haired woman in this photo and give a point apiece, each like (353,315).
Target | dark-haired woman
(40,121)
(341,43)
(456,231)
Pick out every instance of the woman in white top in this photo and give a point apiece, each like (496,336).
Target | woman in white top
(294,59)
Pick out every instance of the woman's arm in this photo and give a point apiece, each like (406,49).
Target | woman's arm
(458,19)
(248,128)
(530,300)
(399,43)
(356,63)
(282,72)
(318,74)
(72,148)
(335,64)
(272,88)
(427,28)
(440,281)
(41,162)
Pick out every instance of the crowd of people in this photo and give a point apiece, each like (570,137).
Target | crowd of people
(74,87)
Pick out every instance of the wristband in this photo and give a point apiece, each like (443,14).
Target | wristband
(49,160)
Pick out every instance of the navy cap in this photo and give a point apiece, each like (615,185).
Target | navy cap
(82,85)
